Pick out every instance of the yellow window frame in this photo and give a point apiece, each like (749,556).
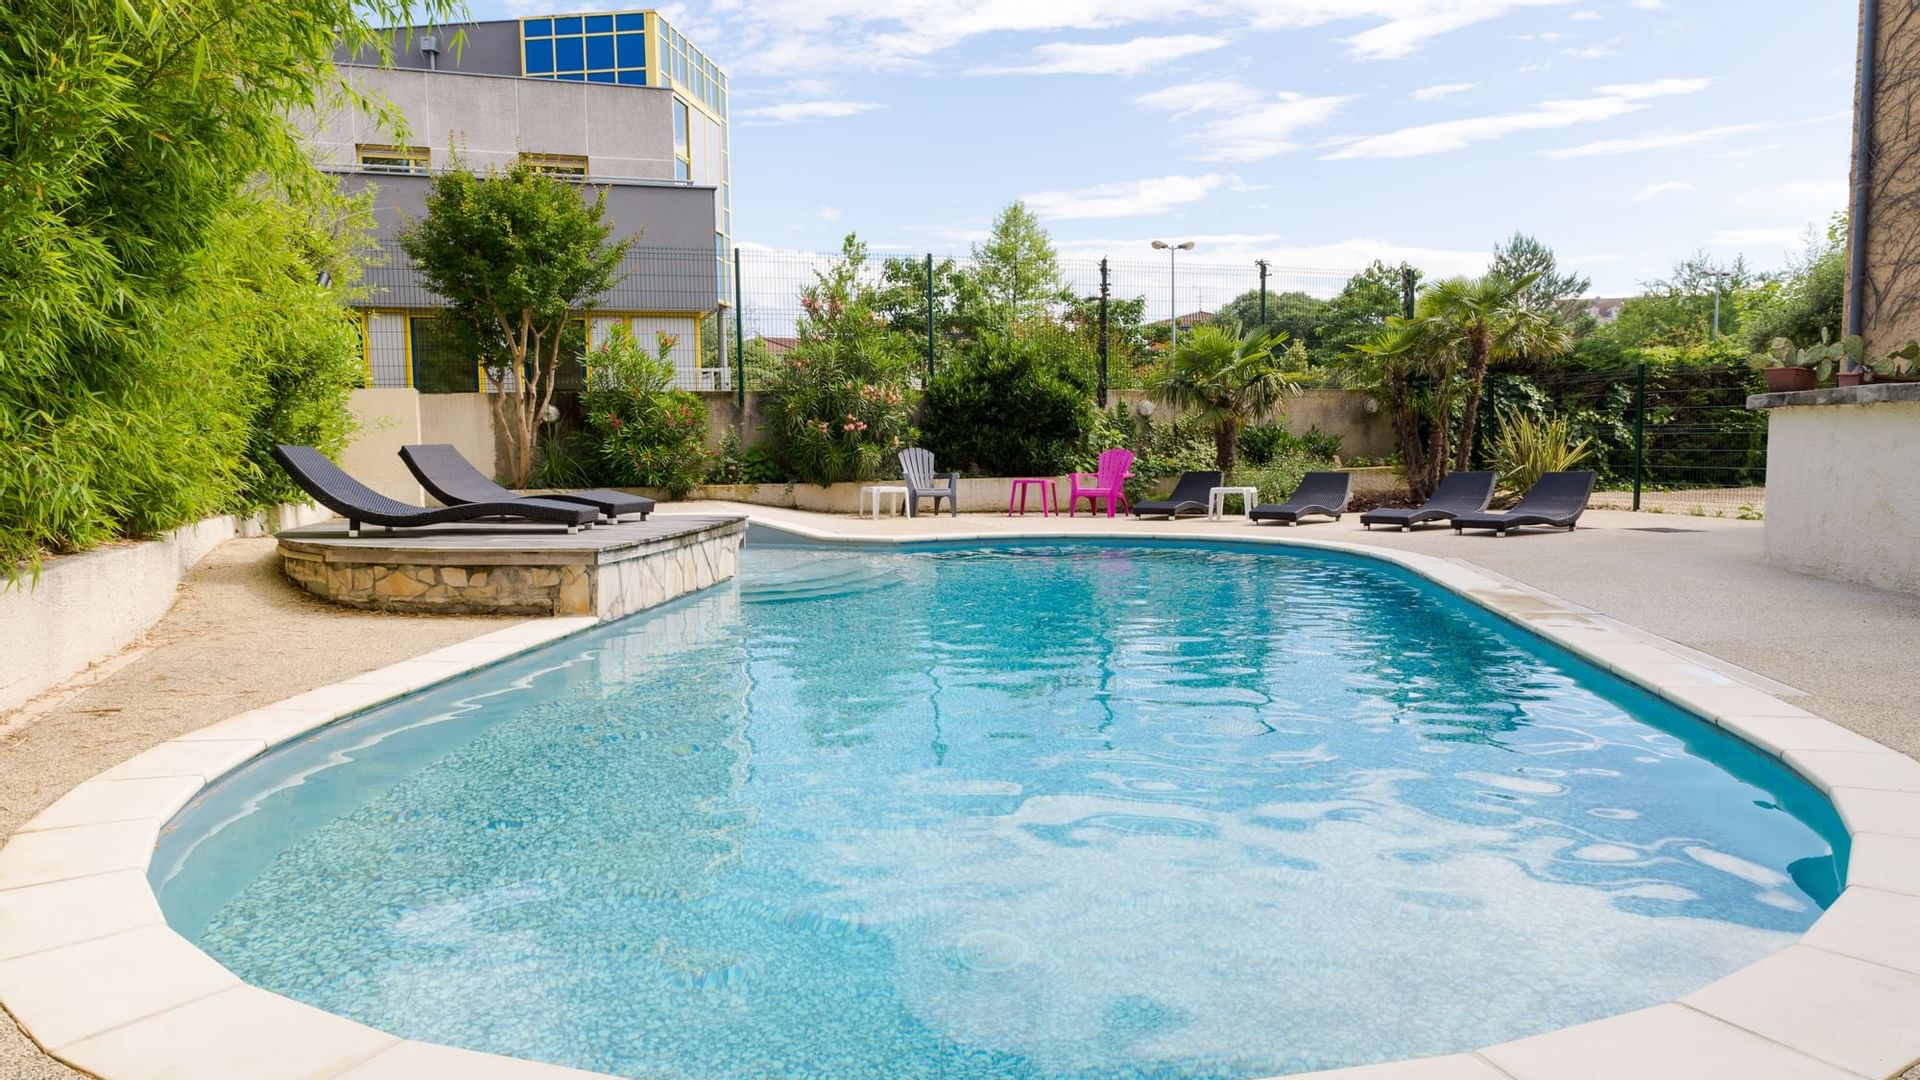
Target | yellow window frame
(400,160)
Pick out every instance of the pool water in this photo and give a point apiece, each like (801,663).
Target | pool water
(1045,811)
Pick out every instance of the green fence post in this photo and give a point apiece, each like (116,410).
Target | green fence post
(739,340)
(929,318)
(1639,429)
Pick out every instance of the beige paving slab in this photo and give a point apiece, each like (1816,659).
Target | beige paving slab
(1450,1067)
(412,675)
(235,1034)
(1889,863)
(428,1061)
(270,726)
(484,650)
(1858,1015)
(1871,924)
(1889,813)
(1778,735)
(98,802)
(206,759)
(342,698)
(67,994)
(40,917)
(34,858)
(1666,1042)
(1717,702)
(1883,770)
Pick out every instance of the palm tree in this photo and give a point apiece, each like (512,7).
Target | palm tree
(1224,381)
(1480,320)
(1418,381)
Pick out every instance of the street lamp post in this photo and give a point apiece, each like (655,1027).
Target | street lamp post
(1719,280)
(1173,295)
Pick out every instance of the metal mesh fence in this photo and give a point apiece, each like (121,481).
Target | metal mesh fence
(1668,439)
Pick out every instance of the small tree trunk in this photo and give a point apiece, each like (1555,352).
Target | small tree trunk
(1226,440)
(1476,380)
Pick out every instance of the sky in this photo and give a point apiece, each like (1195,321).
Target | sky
(1627,134)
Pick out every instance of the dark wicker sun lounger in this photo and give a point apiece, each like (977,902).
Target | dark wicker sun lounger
(332,488)
(1460,493)
(448,476)
(1319,493)
(1556,499)
(1189,496)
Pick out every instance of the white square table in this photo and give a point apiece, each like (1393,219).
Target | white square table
(1217,500)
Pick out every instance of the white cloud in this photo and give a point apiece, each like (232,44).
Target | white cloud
(1247,125)
(794,112)
(1588,52)
(775,36)
(829,213)
(1131,198)
(1647,5)
(1781,236)
(1118,58)
(1435,93)
(1448,135)
(1584,15)
(1663,188)
(1545,35)
(1212,95)
(1667,140)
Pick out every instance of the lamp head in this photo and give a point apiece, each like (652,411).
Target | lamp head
(1159,245)
(1188,246)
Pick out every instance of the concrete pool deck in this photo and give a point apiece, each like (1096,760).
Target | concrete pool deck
(1843,1003)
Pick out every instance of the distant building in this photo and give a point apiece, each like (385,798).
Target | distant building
(1604,309)
(619,102)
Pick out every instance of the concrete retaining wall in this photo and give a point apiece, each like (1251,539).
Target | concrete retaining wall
(1843,484)
(86,607)
(391,417)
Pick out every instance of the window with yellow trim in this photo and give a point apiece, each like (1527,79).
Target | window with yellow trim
(682,147)
(562,165)
(405,160)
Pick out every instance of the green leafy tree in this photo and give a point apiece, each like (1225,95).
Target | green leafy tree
(1224,381)
(1295,314)
(1552,291)
(162,235)
(1130,354)
(1805,300)
(841,403)
(518,256)
(1016,267)
(1360,310)
(1012,405)
(1481,320)
(1677,311)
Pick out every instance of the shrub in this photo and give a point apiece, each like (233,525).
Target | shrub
(1527,449)
(639,432)
(163,317)
(1260,444)
(1011,405)
(841,403)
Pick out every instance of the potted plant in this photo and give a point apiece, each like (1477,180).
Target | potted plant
(1788,369)
(1900,365)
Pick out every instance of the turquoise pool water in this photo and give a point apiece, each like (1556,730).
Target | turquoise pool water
(1052,811)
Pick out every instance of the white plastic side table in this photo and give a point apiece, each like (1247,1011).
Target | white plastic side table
(1217,500)
(871,496)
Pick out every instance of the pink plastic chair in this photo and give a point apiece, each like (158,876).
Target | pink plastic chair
(1108,482)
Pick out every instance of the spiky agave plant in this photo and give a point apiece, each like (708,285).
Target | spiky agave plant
(1525,449)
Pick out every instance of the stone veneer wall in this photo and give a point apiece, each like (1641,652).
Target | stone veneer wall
(607,583)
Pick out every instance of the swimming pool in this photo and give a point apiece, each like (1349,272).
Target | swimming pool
(1142,810)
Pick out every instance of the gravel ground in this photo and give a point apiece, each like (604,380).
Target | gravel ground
(239,637)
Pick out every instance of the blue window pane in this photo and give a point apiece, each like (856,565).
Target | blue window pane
(573,76)
(537,28)
(600,52)
(634,77)
(539,57)
(568,54)
(600,76)
(682,170)
(569,24)
(631,20)
(633,50)
(599,24)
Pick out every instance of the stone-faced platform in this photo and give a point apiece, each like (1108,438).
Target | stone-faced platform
(515,569)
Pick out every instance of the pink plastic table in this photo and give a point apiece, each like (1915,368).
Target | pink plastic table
(1020,486)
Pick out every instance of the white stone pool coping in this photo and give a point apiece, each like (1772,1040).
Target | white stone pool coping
(92,973)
